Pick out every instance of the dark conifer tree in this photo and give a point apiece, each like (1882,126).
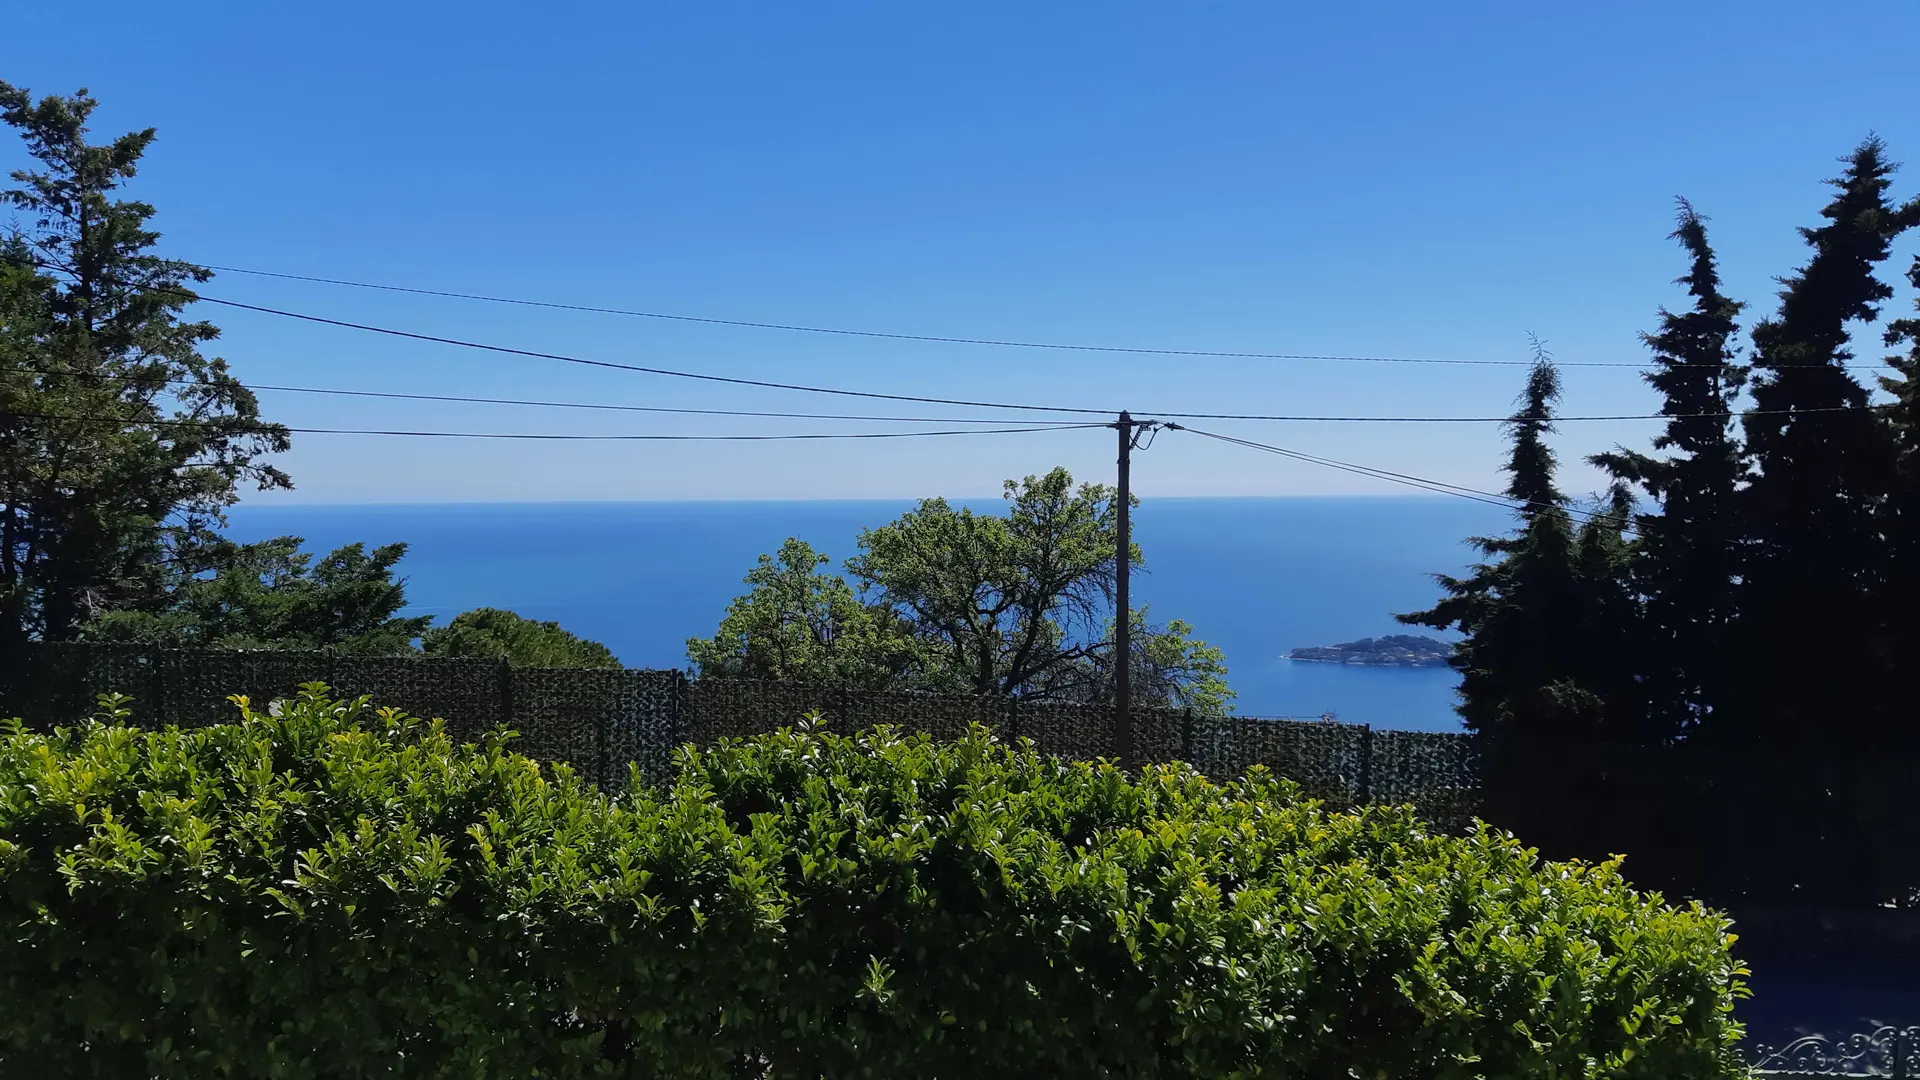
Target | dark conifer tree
(1519,610)
(1531,463)
(1686,562)
(1609,652)
(1901,596)
(1807,644)
(1531,617)
(121,442)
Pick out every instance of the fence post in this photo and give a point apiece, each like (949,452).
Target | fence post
(1900,1049)
(1366,764)
(1186,735)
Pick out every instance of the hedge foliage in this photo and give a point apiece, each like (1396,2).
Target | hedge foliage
(328,890)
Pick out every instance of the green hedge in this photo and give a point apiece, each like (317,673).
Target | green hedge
(336,891)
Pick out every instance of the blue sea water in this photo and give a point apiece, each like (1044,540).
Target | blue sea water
(1256,576)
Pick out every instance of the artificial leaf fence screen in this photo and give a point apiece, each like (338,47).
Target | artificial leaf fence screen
(601,721)
(1736,827)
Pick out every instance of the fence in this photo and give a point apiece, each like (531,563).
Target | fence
(1887,1051)
(599,721)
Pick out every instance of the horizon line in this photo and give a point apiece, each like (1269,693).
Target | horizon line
(696,501)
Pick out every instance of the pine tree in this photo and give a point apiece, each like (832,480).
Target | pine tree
(121,444)
(1686,563)
(1807,643)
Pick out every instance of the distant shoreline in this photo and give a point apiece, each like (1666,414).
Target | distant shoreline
(1396,651)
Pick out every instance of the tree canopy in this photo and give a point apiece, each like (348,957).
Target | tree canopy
(494,633)
(273,595)
(947,598)
(1727,637)
(121,443)
(1900,516)
(1517,610)
(1687,565)
(801,623)
(1822,466)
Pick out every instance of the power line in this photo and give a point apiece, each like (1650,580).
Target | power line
(269,429)
(652,408)
(978,420)
(644,408)
(1437,487)
(731,380)
(996,342)
(1290,418)
(1509,419)
(1626,527)
(935,338)
(594,405)
(727,379)
(1440,487)
(884,335)
(763,414)
(802,436)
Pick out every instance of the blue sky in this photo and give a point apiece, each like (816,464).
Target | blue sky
(1392,179)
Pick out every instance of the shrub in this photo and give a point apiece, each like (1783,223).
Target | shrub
(327,890)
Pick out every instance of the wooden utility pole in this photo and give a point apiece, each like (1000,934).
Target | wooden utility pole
(1123,613)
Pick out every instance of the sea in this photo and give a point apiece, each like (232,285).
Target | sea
(1255,576)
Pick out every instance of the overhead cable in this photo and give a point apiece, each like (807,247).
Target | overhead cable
(1004,343)
(731,380)
(1276,417)
(268,429)
(1437,487)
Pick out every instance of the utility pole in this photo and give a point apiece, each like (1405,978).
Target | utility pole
(1123,615)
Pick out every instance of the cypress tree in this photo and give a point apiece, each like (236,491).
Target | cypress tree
(1531,462)
(1530,624)
(1806,641)
(1686,562)
(1517,611)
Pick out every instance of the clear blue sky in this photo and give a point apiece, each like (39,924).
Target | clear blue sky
(1399,179)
